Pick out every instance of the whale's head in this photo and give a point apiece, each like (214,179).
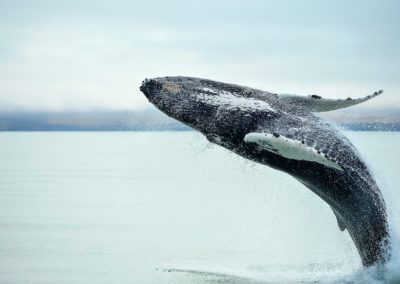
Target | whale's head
(210,107)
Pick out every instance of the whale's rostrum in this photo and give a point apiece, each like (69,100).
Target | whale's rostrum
(283,132)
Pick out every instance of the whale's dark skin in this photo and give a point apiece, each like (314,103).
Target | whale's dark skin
(226,113)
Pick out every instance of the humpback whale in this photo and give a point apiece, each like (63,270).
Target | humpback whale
(286,133)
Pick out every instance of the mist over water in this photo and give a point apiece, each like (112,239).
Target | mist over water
(156,207)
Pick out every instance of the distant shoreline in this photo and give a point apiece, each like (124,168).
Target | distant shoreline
(152,120)
(390,127)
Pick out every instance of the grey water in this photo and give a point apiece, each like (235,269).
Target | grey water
(168,207)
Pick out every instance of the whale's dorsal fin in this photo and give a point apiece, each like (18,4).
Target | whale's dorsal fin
(339,220)
(316,103)
(290,149)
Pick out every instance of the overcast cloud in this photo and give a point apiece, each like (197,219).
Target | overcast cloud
(58,55)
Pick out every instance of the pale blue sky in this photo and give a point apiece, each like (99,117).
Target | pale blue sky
(57,55)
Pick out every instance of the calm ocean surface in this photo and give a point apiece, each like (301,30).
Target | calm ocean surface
(168,207)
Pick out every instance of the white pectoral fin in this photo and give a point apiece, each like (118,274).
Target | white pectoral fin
(290,149)
(318,104)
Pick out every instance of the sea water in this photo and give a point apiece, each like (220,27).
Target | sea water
(169,207)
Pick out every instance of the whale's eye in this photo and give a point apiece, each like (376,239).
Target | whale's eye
(172,88)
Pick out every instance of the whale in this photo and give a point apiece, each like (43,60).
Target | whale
(286,133)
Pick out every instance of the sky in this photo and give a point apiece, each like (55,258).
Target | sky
(93,55)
